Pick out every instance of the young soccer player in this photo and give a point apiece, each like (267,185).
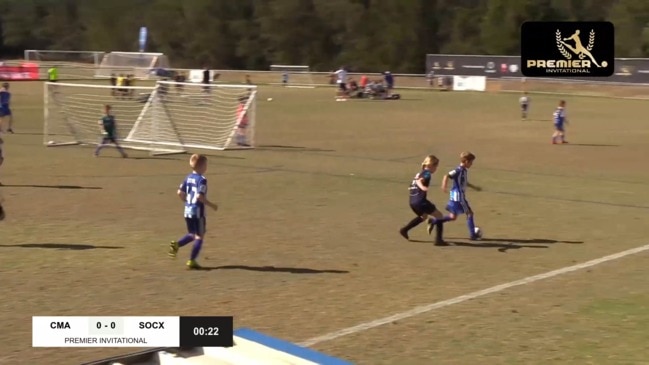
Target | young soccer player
(2,159)
(109,132)
(5,111)
(242,117)
(419,202)
(458,204)
(560,120)
(2,212)
(193,191)
(525,104)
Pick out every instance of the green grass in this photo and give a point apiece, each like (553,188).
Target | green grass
(326,191)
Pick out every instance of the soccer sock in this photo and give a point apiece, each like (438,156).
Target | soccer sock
(439,231)
(413,223)
(196,249)
(444,219)
(471,225)
(185,240)
(119,148)
(98,149)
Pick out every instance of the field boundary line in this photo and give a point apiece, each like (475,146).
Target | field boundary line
(464,298)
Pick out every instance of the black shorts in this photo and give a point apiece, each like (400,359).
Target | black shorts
(342,86)
(196,226)
(424,207)
(108,139)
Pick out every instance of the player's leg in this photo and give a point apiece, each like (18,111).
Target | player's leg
(437,221)
(524,111)
(174,246)
(10,121)
(562,135)
(119,148)
(470,223)
(101,145)
(555,135)
(421,216)
(198,243)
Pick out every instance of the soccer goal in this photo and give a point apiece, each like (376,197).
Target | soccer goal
(163,119)
(296,76)
(71,64)
(138,64)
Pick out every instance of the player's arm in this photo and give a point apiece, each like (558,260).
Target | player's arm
(181,191)
(474,187)
(422,181)
(451,174)
(202,195)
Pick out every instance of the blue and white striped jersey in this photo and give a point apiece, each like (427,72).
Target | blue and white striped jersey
(460,177)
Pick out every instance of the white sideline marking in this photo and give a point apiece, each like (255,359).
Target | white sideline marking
(463,298)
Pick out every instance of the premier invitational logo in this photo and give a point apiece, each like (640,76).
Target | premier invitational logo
(547,51)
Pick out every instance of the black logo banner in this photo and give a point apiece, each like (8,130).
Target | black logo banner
(568,49)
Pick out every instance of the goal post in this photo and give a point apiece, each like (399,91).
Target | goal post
(163,118)
(71,64)
(72,113)
(138,64)
(210,117)
(294,75)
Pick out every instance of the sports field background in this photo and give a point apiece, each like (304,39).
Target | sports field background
(306,240)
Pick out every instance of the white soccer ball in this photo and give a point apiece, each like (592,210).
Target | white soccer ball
(50,142)
(270,99)
(478,232)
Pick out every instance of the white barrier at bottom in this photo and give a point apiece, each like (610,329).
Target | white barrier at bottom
(469,83)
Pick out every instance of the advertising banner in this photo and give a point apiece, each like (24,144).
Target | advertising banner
(627,70)
(26,71)
(469,83)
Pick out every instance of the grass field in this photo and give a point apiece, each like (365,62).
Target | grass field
(306,242)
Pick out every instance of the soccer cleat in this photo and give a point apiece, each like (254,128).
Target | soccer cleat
(564,142)
(193,265)
(173,249)
(404,233)
(441,243)
(430,228)
(10,131)
(474,238)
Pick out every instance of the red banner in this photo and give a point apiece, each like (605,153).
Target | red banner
(26,71)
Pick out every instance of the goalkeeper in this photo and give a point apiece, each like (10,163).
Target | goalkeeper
(109,131)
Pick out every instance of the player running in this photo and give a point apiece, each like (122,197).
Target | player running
(458,204)
(193,191)
(2,212)
(525,105)
(5,110)
(341,81)
(560,120)
(109,131)
(419,202)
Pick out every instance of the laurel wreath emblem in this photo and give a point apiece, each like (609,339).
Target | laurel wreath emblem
(563,51)
(591,43)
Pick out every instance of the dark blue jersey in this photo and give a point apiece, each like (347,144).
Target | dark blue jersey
(109,125)
(416,194)
(5,98)
(193,186)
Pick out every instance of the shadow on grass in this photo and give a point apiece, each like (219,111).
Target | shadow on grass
(64,246)
(70,187)
(269,147)
(592,145)
(290,270)
(505,244)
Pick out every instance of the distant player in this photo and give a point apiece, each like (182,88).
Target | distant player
(193,191)
(458,203)
(341,80)
(560,120)
(2,158)
(5,108)
(525,105)
(109,132)
(284,78)
(242,118)
(419,202)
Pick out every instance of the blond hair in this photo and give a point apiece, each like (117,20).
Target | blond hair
(197,160)
(467,156)
(430,160)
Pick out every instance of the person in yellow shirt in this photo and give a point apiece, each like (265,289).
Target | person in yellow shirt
(53,74)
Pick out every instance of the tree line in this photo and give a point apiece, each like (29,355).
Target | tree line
(368,35)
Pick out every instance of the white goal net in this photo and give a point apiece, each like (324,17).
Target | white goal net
(139,64)
(71,64)
(294,75)
(166,118)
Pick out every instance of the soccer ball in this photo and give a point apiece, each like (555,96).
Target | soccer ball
(270,99)
(478,232)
